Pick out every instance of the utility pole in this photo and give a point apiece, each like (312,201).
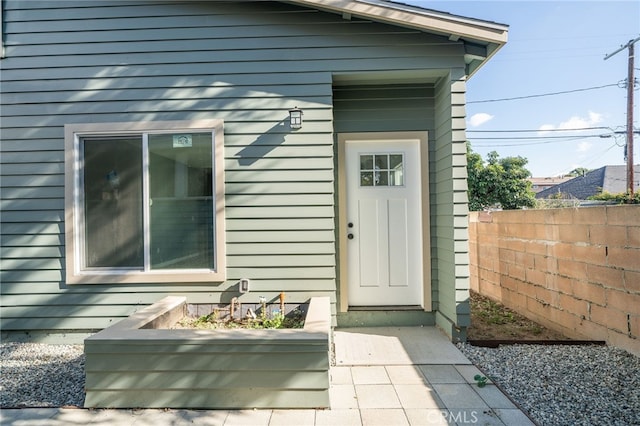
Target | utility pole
(630,85)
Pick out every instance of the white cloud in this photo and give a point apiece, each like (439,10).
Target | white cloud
(584,146)
(575,122)
(479,119)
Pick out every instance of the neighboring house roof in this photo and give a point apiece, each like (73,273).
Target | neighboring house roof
(612,179)
(482,39)
(542,183)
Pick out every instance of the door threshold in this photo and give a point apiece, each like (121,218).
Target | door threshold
(385,308)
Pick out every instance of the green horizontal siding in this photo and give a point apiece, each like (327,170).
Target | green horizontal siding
(285,260)
(322,163)
(22,252)
(179,381)
(304,248)
(203,290)
(204,81)
(244,200)
(31,204)
(247,63)
(262,236)
(272,92)
(71,310)
(153,361)
(263,212)
(389,107)
(32,216)
(41,293)
(449,221)
(31,240)
(269,59)
(279,224)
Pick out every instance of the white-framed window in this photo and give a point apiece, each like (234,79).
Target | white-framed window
(144,202)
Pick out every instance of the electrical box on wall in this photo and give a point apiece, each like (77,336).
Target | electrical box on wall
(245,285)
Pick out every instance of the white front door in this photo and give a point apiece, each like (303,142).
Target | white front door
(384,246)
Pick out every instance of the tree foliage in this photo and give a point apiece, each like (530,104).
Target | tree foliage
(578,171)
(500,182)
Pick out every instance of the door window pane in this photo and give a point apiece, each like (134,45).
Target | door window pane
(395,161)
(181,201)
(396,170)
(366,178)
(112,177)
(381,170)
(366,162)
(382,162)
(382,178)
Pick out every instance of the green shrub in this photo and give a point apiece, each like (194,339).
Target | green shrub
(621,198)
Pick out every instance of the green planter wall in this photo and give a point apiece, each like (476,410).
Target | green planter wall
(135,363)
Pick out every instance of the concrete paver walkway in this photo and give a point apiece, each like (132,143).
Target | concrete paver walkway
(389,376)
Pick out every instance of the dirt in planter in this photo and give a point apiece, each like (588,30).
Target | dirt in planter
(493,321)
(273,320)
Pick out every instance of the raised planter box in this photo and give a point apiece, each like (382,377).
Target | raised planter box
(136,363)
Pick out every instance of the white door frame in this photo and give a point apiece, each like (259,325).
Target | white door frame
(422,137)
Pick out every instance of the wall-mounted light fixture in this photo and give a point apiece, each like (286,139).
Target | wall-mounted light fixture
(295,118)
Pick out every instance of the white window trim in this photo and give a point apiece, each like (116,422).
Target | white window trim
(73,217)
(2,51)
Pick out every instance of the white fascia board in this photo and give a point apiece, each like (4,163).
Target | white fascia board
(418,18)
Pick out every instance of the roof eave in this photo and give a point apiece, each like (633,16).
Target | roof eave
(489,35)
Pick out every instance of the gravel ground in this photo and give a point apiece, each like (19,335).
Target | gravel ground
(565,385)
(556,384)
(39,375)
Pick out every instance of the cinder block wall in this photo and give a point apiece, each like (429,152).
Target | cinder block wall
(576,271)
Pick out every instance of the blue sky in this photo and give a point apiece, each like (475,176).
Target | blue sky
(553,46)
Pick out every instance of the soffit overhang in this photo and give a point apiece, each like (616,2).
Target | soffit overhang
(481,39)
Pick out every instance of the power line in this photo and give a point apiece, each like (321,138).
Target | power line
(597,156)
(539,130)
(491,142)
(543,94)
(538,137)
(522,144)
